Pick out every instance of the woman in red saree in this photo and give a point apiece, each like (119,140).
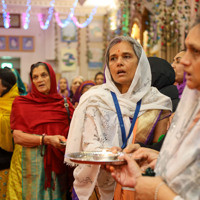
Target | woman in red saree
(40,126)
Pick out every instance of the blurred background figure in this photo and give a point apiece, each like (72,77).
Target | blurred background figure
(8,92)
(179,71)
(99,78)
(63,87)
(21,87)
(84,87)
(163,78)
(26,85)
(76,82)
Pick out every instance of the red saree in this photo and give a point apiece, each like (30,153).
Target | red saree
(37,113)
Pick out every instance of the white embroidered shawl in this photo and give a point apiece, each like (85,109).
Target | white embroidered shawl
(95,125)
(179,160)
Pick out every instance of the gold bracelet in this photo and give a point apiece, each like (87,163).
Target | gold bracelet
(157,189)
(40,140)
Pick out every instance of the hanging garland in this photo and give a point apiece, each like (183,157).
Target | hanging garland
(88,52)
(118,22)
(79,47)
(138,6)
(105,33)
(88,20)
(125,18)
(196,6)
(67,21)
(26,16)
(6,16)
(50,12)
(166,23)
(74,19)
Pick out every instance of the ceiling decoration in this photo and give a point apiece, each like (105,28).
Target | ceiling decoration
(26,16)
(50,14)
(81,2)
(44,26)
(68,19)
(87,21)
(59,7)
(6,16)
(62,6)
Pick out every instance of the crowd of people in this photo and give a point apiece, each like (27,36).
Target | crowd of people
(143,106)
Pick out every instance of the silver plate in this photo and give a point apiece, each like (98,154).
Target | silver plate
(98,158)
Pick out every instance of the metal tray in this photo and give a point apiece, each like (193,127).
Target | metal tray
(98,158)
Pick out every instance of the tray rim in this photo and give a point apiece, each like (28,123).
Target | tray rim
(94,162)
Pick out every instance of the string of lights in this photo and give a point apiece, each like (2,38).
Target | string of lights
(26,16)
(67,21)
(87,21)
(44,26)
(50,12)
(6,15)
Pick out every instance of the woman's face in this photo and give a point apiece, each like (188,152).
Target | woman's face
(75,84)
(122,64)
(99,79)
(191,59)
(41,79)
(86,88)
(2,88)
(63,84)
(178,67)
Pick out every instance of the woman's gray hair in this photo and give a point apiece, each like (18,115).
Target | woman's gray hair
(137,48)
(77,76)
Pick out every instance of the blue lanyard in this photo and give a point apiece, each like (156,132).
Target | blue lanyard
(121,122)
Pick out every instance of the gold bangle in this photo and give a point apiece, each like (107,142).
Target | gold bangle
(40,140)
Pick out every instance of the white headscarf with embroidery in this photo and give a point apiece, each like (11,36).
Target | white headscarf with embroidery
(95,123)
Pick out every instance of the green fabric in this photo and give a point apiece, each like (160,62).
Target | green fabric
(33,177)
(20,84)
(161,137)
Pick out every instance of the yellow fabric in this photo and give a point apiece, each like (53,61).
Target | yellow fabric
(95,194)
(3,183)
(15,177)
(146,123)
(5,110)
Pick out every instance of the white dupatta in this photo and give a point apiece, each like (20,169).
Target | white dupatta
(95,125)
(179,159)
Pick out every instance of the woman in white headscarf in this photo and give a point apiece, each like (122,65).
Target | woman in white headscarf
(178,164)
(95,124)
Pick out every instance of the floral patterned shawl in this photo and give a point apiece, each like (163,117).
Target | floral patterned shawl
(95,125)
